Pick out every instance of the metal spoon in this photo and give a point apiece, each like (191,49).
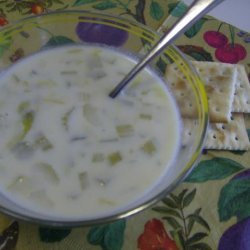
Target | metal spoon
(195,11)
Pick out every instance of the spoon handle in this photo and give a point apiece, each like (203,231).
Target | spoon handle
(195,11)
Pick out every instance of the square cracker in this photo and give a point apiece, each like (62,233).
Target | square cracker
(241,102)
(220,136)
(229,136)
(219,81)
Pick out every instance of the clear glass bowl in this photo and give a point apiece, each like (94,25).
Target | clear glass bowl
(30,35)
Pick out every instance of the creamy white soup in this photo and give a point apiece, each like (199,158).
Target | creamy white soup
(67,148)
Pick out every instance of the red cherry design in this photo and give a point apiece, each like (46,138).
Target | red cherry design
(3,21)
(37,9)
(230,53)
(215,39)
(241,51)
(226,55)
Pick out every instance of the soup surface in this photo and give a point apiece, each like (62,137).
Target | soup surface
(66,148)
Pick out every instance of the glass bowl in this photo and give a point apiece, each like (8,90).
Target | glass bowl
(30,35)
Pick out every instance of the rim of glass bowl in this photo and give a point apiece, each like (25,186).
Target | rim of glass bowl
(173,52)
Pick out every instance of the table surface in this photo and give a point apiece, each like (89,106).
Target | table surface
(211,210)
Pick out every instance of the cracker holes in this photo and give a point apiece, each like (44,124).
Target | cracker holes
(217,109)
(221,90)
(236,138)
(214,137)
(248,101)
(223,127)
(231,118)
(190,105)
(182,94)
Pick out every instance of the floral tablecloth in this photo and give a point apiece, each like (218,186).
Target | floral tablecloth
(211,208)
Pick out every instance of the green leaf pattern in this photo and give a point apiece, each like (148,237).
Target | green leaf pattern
(156,10)
(51,235)
(182,224)
(177,9)
(82,2)
(58,41)
(234,199)
(194,30)
(104,5)
(109,236)
(215,169)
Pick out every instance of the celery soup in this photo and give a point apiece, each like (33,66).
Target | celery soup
(66,148)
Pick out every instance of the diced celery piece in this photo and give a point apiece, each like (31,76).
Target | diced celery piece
(106,201)
(83,179)
(114,158)
(145,92)
(48,172)
(43,143)
(27,122)
(145,116)
(65,118)
(22,184)
(148,147)
(136,82)
(159,91)
(16,78)
(91,114)
(97,74)
(124,130)
(98,157)
(22,107)
(40,197)
(53,100)
(26,86)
